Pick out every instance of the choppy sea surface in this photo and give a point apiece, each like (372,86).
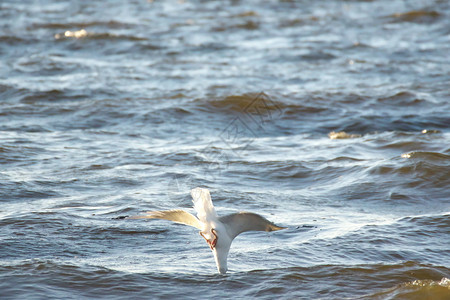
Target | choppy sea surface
(331,118)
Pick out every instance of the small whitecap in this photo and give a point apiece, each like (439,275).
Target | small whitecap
(445,282)
(342,135)
(75,34)
(407,155)
(427,131)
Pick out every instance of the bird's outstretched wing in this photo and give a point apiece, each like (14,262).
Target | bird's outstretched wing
(244,221)
(176,215)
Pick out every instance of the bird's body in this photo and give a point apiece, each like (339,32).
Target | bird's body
(218,232)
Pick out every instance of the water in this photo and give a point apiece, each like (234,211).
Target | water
(113,109)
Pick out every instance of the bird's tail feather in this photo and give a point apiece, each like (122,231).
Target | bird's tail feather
(203,204)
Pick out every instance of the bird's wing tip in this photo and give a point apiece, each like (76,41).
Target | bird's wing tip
(135,217)
(147,215)
(276,228)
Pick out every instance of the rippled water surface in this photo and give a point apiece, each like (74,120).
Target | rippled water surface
(328,117)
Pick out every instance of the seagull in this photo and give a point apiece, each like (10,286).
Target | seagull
(218,232)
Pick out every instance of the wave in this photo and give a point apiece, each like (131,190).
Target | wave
(417,289)
(249,102)
(332,112)
(426,172)
(53,278)
(403,99)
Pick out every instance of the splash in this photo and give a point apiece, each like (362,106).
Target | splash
(445,282)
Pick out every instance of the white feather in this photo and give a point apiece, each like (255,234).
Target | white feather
(203,205)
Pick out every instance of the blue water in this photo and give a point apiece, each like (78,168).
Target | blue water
(330,118)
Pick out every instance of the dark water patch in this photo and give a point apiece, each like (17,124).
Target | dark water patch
(247,25)
(346,159)
(404,99)
(317,56)
(14,40)
(24,191)
(271,109)
(245,14)
(147,46)
(54,95)
(245,103)
(297,22)
(417,16)
(160,116)
(124,182)
(29,221)
(210,47)
(96,167)
(116,232)
(404,145)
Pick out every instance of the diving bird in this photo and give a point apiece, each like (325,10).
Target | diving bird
(218,232)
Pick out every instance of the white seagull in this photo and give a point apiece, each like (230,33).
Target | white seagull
(218,232)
